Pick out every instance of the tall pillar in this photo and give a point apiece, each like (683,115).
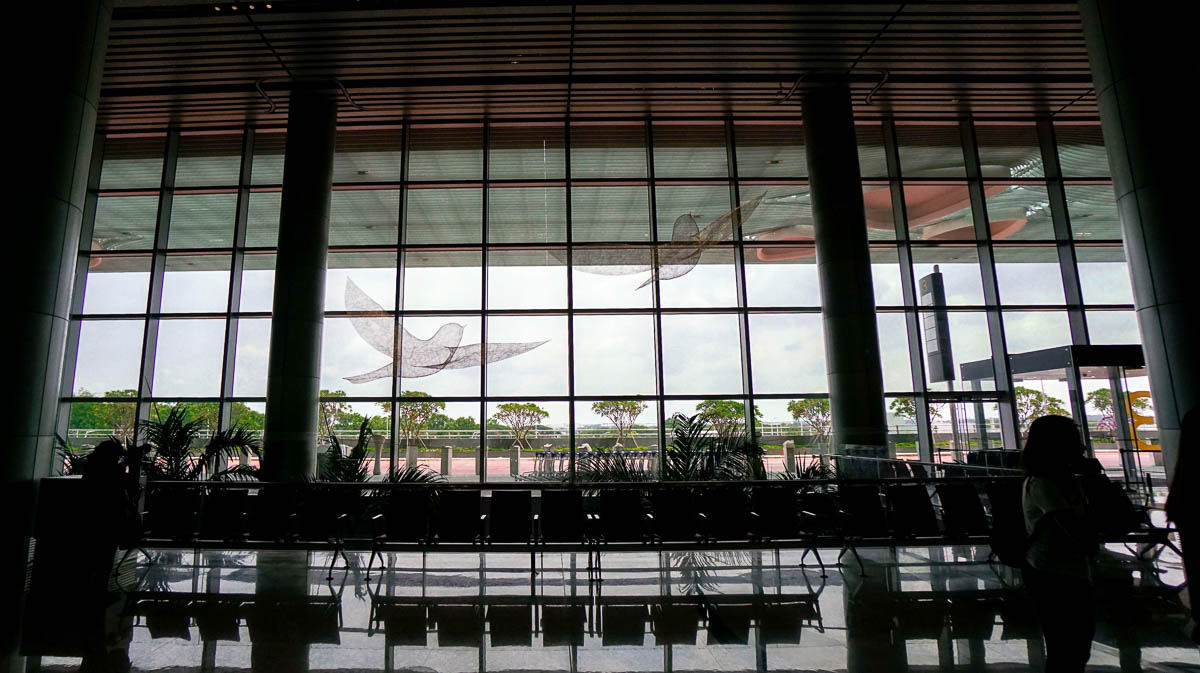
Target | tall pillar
(1140,56)
(297,321)
(844,267)
(56,147)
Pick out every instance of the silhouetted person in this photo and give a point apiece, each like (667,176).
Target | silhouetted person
(1058,564)
(1182,505)
(107,514)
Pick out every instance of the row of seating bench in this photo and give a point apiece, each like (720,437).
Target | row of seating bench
(616,517)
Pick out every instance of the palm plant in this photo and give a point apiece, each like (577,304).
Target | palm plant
(338,464)
(696,454)
(171,440)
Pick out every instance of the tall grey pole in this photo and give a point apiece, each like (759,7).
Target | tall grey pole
(1139,57)
(56,148)
(844,267)
(297,321)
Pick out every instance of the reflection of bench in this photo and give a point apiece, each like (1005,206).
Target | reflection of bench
(313,619)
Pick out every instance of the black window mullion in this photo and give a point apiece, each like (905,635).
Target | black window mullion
(397,322)
(483,301)
(1064,244)
(991,294)
(158,264)
(79,287)
(912,319)
(237,263)
(570,305)
(657,296)
(739,265)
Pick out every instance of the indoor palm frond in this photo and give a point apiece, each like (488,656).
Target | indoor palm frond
(337,464)
(417,474)
(227,445)
(171,439)
(612,467)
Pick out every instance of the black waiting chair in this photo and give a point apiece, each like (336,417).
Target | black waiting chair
(511,518)
(166,617)
(726,513)
(623,624)
(912,514)
(171,514)
(781,623)
(865,516)
(510,625)
(676,517)
(562,517)
(675,623)
(962,511)
(775,512)
(217,619)
(225,514)
(405,519)
(1008,517)
(729,624)
(563,624)
(276,513)
(621,517)
(458,625)
(404,624)
(458,517)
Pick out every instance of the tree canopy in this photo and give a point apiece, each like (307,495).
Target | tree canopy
(622,413)
(412,415)
(520,417)
(724,416)
(1032,404)
(815,413)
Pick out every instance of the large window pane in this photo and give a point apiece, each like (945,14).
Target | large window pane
(1020,212)
(208,160)
(357,355)
(444,216)
(361,281)
(877,204)
(442,355)
(527,355)
(608,151)
(782,276)
(787,353)
(196,284)
(125,223)
(614,355)
(443,280)
(1028,275)
(262,219)
(1034,330)
(132,163)
(372,155)
(690,151)
(930,151)
(202,220)
(937,212)
(251,355)
(1009,151)
(445,153)
(969,344)
(188,360)
(1093,212)
(893,351)
(527,215)
(110,356)
(872,159)
(116,285)
(1113,327)
(770,150)
(688,280)
(364,217)
(598,431)
(1081,151)
(258,283)
(701,354)
(783,213)
(268,157)
(686,211)
(521,152)
(612,277)
(527,279)
(885,276)
(1104,275)
(959,267)
(611,213)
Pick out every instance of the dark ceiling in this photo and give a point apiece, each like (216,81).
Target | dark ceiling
(198,65)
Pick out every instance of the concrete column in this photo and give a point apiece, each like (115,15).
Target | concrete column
(297,323)
(55,147)
(1139,56)
(844,267)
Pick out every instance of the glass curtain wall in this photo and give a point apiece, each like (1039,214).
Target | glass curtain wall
(500,293)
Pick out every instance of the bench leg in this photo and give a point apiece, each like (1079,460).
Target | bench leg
(816,552)
(532,562)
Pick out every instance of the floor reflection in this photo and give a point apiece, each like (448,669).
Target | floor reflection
(916,608)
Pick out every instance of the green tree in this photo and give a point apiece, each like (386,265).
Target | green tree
(622,413)
(520,417)
(906,407)
(118,418)
(724,416)
(332,411)
(816,414)
(247,417)
(1101,399)
(412,415)
(1032,404)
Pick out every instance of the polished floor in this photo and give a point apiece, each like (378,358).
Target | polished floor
(916,608)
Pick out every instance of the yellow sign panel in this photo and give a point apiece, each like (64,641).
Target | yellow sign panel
(1136,420)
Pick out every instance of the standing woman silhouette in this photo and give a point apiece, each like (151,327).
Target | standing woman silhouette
(1058,563)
